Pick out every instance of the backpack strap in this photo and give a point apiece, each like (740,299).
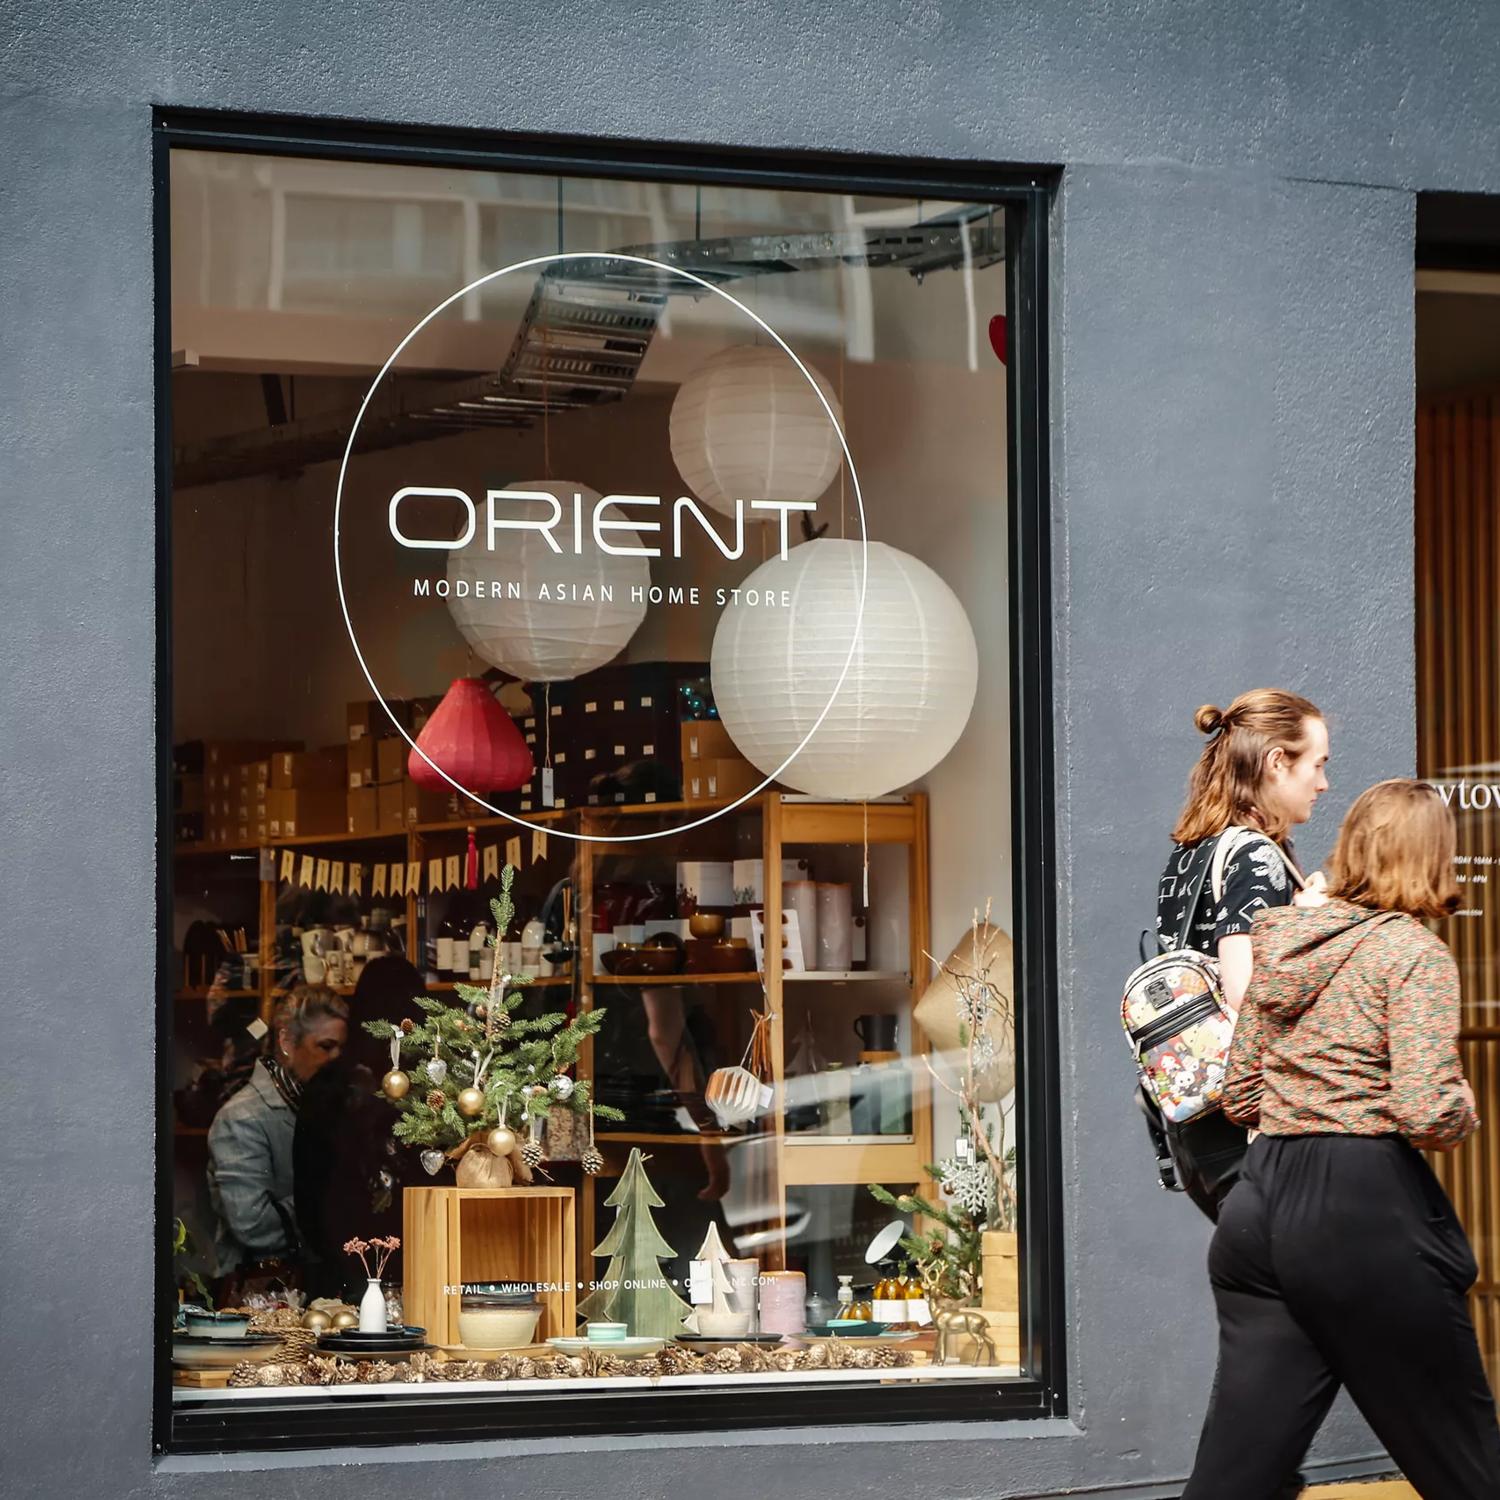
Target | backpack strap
(1195,897)
(1231,841)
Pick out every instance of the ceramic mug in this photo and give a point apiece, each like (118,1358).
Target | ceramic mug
(877,1032)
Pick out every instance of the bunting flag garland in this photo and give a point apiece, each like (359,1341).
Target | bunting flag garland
(478,863)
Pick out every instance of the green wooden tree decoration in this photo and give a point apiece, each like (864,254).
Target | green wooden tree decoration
(635,1290)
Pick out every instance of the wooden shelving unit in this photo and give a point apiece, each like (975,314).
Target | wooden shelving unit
(785,823)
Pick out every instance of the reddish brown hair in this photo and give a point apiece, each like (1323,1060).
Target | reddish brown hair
(1395,851)
(1226,781)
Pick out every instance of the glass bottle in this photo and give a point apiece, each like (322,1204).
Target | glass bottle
(886,1309)
(478,937)
(898,1320)
(846,1296)
(445,950)
(918,1312)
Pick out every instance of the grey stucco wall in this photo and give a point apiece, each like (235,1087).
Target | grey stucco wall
(1231,413)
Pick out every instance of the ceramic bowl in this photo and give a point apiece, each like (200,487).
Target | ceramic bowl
(606,1333)
(725,1325)
(498,1327)
(638,1348)
(217,1325)
(728,956)
(191,1352)
(706,924)
(627,959)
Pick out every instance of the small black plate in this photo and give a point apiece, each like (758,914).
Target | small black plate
(389,1337)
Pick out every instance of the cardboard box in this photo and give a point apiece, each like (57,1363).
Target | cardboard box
(297,812)
(390,759)
(254,772)
(390,805)
(362,811)
(222,755)
(422,804)
(718,780)
(295,769)
(707,739)
(749,879)
(708,882)
(359,762)
(361,718)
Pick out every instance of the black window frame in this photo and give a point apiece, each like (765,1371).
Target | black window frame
(449,1412)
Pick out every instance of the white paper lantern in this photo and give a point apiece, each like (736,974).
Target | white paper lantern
(746,425)
(909,689)
(590,612)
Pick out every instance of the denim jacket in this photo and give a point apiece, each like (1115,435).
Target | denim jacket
(250,1173)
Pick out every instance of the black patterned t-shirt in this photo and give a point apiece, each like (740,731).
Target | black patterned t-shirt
(1254,878)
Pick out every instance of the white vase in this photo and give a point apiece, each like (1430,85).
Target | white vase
(372,1308)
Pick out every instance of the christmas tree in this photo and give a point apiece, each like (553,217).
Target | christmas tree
(712,1254)
(472,1071)
(634,1289)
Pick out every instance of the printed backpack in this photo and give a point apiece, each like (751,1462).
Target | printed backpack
(1174,1013)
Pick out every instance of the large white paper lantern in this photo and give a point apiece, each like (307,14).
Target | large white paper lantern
(590,610)
(909,689)
(747,426)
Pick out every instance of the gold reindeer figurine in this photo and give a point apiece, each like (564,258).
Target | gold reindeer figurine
(952,1322)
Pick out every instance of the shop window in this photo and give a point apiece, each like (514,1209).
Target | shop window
(592,709)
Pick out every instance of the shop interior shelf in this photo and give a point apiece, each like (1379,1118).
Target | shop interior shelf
(655,981)
(550,981)
(846,976)
(664,1138)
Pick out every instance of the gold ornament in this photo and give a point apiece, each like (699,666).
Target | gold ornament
(345,1317)
(395,1084)
(471,1102)
(500,1141)
(317,1319)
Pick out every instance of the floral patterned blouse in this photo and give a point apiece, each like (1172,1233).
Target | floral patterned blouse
(1350,1027)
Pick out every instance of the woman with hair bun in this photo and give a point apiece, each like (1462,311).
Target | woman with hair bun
(1338,1259)
(1262,769)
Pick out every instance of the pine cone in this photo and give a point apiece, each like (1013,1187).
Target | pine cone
(500,1019)
(436,1099)
(727,1361)
(531,1153)
(592,1161)
(407,1026)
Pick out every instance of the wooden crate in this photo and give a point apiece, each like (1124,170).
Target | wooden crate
(1000,1292)
(457,1236)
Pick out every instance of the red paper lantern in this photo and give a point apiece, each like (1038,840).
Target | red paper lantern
(473,740)
(998,341)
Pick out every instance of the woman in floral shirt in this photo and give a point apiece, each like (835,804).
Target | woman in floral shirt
(1338,1260)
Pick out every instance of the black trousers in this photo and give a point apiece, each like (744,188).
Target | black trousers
(1338,1261)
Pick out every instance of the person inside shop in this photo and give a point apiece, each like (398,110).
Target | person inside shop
(1263,766)
(348,1170)
(250,1178)
(1338,1259)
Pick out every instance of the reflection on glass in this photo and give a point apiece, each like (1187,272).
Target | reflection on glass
(754,787)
